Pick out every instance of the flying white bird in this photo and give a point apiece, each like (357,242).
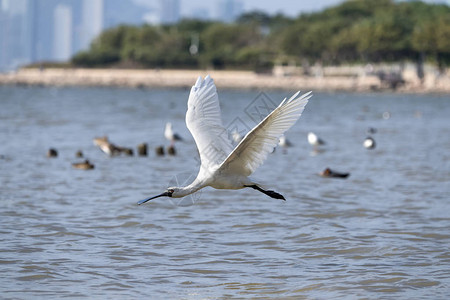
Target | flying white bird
(223,167)
(170,135)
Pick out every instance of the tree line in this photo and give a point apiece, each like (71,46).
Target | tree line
(356,31)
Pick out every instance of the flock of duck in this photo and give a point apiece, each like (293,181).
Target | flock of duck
(318,143)
(111,149)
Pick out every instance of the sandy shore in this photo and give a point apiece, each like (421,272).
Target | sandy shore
(223,79)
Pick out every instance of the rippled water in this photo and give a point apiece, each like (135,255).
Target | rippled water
(382,233)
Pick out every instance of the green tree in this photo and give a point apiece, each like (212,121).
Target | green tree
(355,30)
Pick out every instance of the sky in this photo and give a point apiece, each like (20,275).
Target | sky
(287,7)
(290,8)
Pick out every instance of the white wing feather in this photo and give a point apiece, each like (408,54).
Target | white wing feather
(203,119)
(254,148)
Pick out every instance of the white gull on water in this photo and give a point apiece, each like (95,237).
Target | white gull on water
(170,135)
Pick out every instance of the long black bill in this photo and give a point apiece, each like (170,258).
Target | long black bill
(151,198)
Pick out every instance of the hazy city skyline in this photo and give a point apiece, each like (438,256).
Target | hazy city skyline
(54,30)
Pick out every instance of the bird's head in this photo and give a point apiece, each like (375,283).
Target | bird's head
(174,192)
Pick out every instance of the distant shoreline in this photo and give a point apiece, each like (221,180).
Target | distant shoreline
(224,79)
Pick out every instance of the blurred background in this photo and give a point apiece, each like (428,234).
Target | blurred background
(34,31)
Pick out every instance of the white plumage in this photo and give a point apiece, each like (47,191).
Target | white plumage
(223,167)
(369,143)
(170,135)
(314,140)
(236,136)
(284,142)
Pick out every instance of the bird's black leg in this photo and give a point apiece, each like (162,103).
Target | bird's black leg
(272,194)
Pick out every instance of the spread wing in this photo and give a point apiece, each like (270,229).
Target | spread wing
(204,121)
(254,148)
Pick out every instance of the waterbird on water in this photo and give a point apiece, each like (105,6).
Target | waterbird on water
(333,174)
(159,151)
(170,135)
(369,143)
(86,165)
(314,140)
(52,153)
(107,147)
(171,150)
(284,142)
(371,130)
(223,167)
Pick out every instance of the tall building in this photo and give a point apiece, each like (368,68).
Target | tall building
(92,21)
(31,19)
(49,30)
(170,11)
(62,34)
(15,34)
(43,30)
(3,37)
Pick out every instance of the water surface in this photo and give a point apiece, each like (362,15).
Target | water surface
(384,232)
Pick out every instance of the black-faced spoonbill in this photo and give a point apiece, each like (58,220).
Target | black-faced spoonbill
(223,167)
